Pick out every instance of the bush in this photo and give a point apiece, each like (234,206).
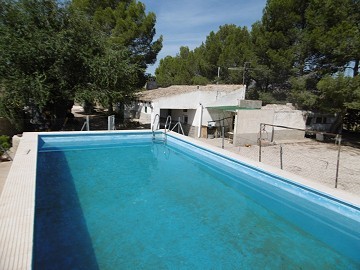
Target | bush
(267,98)
(4,143)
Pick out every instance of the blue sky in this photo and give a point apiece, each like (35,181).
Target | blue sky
(188,22)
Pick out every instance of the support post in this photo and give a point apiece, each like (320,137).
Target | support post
(111,122)
(281,157)
(260,142)
(338,161)
(87,122)
(223,136)
(200,110)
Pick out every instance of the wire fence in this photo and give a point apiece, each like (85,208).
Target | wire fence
(321,158)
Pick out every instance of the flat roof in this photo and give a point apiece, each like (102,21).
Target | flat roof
(230,108)
(149,95)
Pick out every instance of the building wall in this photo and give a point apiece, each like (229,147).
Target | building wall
(294,119)
(248,125)
(196,103)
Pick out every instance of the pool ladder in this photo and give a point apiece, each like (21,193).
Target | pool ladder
(157,127)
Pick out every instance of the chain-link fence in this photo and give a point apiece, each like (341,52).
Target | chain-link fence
(323,160)
(319,156)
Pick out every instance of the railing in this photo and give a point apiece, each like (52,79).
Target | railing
(168,123)
(179,126)
(110,126)
(153,125)
(86,124)
(111,122)
(264,137)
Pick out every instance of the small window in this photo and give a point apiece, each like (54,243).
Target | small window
(324,120)
(145,109)
(184,110)
(186,119)
(318,120)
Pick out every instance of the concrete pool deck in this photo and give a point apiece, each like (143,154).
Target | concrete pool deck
(4,171)
(17,206)
(17,200)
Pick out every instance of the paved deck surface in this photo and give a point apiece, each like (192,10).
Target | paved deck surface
(5,168)
(4,171)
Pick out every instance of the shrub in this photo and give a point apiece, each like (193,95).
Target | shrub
(4,143)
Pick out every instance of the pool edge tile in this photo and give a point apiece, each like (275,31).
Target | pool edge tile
(17,207)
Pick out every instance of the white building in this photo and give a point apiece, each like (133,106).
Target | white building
(194,106)
(248,124)
(204,110)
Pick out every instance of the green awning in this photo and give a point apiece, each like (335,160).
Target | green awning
(229,108)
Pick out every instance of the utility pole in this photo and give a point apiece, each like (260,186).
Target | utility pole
(243,69)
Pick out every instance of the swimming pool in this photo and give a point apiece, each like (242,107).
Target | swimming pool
(123,201)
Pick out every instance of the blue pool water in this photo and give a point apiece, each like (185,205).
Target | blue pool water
(129,203)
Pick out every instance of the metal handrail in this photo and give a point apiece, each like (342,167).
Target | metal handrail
(168,123)
(153,125)
(179,125)
(86,124)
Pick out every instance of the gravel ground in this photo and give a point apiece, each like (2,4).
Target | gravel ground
(310,159)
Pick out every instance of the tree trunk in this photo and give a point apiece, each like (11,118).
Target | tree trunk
(110,106)
(356,68)
(121,112)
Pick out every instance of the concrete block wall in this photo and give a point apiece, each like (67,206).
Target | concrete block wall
(248,125)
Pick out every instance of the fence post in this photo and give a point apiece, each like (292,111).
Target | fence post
(223,136)
(87,122)
(260,142)
(338,161)
(281,157)
(111,122)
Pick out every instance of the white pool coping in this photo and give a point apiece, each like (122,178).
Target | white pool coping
(17,201)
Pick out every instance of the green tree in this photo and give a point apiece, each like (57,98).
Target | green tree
(50,53)
(338,95)
(297,43)
(229,47)
(333,35)
(113,77)
(278,46)
(31,46)
(127,25)
(182,69)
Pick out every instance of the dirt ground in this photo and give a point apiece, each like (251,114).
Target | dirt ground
(310,159)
